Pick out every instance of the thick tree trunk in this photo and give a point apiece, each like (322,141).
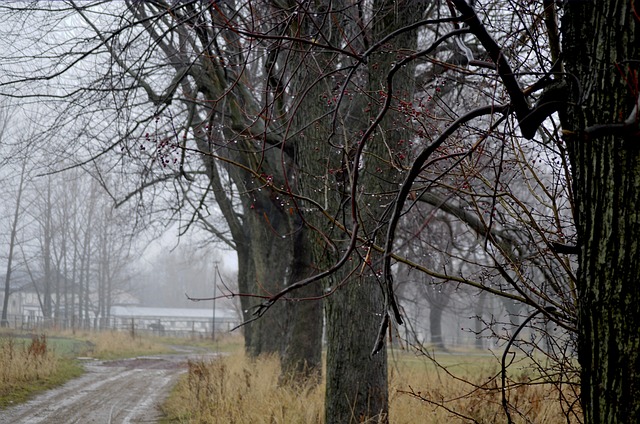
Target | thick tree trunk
(270,262)
(602,57)
(261,231)
(301,358)
(246,274)
(356,382)
(272,255)
(265,240)
(279,256)
(435,325)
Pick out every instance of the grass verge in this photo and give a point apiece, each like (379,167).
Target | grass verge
(109,345)
(29,367)
(30,364)
(233,389)
(463,388)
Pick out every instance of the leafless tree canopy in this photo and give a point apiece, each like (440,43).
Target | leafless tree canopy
(355,152)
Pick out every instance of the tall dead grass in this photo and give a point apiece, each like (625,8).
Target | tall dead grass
(471,393)
(117,344)
(25,362)
(234,389)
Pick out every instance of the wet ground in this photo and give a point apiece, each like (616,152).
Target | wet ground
(113,392)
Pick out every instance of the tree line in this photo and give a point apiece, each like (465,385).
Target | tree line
(66,245)
(338,146)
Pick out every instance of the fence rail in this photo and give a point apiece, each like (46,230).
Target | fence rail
(168,326)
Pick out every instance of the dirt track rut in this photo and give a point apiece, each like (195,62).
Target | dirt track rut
(114,392)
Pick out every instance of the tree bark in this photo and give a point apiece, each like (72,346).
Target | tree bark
(12,243)
(47,236)
(271,255)
(435,324)
(301,359)
(266,239)
(356,381)
(602,58)
(479,323)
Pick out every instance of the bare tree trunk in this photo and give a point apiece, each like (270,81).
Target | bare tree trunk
(356,380)
(271,255)
(85,265)
(12,244)
(73,295)
(435,325)
(303,347)
(602,56)
(479,324)
(47,236)
(264,241)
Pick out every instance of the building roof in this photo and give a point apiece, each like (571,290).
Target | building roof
(149,312)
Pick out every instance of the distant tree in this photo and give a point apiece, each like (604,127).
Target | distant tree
(13,241)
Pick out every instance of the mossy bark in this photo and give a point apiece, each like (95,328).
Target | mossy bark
(602,57)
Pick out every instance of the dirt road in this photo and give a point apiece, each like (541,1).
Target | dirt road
(110,392)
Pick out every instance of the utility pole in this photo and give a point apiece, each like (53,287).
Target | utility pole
(215,293)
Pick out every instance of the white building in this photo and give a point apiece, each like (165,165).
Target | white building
(173,321)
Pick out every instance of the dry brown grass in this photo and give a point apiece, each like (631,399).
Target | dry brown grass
(116,345)
(467,389)
(235,390)
(25,362)
(32,364)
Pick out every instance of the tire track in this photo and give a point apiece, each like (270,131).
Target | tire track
(114,392)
